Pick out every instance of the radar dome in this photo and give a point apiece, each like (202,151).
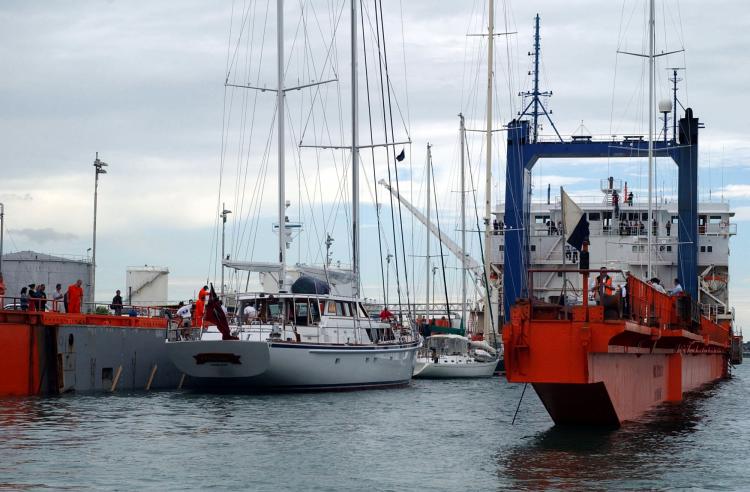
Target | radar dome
(665,106)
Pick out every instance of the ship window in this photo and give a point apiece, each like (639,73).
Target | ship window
(533,247)
(301,310)
(710,249)
(669,248)
(363,311)
(331,307)
(675,219)
(594,216)
(644,216)
(715,219)
(541,219)
(342,309)
(501,248)
(703,249)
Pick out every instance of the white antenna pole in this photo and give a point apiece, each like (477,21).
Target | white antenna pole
(427,242)
(488,314)
(355,153)
(463,223)
(651,59)
(280,121)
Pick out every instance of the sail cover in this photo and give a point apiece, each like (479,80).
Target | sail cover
(310,285)
(575,224)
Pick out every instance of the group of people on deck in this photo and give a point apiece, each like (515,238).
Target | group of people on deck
(191,314)
(34,298)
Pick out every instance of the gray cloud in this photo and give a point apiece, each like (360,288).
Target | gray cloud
(43,235)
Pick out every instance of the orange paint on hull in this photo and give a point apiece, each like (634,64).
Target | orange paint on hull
(27,346)
(19,366)
(592,371)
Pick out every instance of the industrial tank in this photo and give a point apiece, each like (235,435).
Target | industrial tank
(29,267)
(147,286)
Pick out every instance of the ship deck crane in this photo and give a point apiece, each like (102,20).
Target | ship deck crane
(472,265)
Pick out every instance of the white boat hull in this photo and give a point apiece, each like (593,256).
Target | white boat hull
(292,366)
(430,370)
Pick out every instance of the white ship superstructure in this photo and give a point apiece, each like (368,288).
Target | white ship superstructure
(618,240)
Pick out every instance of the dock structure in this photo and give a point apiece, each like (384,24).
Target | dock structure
(49,353)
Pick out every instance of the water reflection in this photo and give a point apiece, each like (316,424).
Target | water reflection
(638,455)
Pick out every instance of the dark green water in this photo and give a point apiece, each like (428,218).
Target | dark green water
(433,435)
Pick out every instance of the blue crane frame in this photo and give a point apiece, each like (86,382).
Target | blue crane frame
(523,153)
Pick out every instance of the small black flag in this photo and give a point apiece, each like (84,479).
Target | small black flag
(401,156)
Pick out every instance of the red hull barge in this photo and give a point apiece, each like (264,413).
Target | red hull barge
(596,366)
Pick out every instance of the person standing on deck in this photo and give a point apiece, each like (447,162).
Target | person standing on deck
(200,306)
(677,288)
(42,296)
(24,299)
(33,306)
(57,299)
(117,303)
(75,296)
(603,285)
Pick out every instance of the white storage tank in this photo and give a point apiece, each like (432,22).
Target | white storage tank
(147,286)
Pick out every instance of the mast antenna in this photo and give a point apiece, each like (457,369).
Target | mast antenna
(536,108)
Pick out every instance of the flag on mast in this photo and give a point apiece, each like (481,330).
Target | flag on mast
(575,223)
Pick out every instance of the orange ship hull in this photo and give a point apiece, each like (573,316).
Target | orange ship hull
(591,371)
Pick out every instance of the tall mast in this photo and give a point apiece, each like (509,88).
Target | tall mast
(536,79)
(355,152)
(463,222)
(427,242)
(488,324)
(280,121)
(651,59)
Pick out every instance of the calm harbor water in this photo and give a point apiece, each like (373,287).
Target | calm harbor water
(433,435)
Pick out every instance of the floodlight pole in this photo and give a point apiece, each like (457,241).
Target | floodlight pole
(98,169)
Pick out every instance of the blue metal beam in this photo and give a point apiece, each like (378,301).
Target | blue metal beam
(522,154)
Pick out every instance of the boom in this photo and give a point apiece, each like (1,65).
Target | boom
(471,264)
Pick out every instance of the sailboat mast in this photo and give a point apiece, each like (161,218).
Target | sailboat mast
(280,121)
(427,242)
(488,324)
(463,221)
(355,151)
(651,60)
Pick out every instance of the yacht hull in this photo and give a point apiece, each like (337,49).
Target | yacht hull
(430,370)
(292,366)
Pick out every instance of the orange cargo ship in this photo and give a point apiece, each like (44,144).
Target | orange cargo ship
(593,365)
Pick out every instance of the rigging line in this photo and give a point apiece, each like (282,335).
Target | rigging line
(300,171)
(395,166)
(230,64)
(388,162)
(372,149)
(318,88)
(239,233)
(614,82)
(519,403)
(440,242)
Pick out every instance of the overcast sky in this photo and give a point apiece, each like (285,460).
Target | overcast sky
(142,83)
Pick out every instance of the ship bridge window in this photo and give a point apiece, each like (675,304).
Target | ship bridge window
(715,219)
(644,216)
(594,216)
(342,309)
(533,247)
(301,311)
(541,219)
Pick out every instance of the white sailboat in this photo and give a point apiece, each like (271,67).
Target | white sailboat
(301,336)
(450,355)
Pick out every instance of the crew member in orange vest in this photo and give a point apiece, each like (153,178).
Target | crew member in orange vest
(75,295)
(200,306)
(603,285)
